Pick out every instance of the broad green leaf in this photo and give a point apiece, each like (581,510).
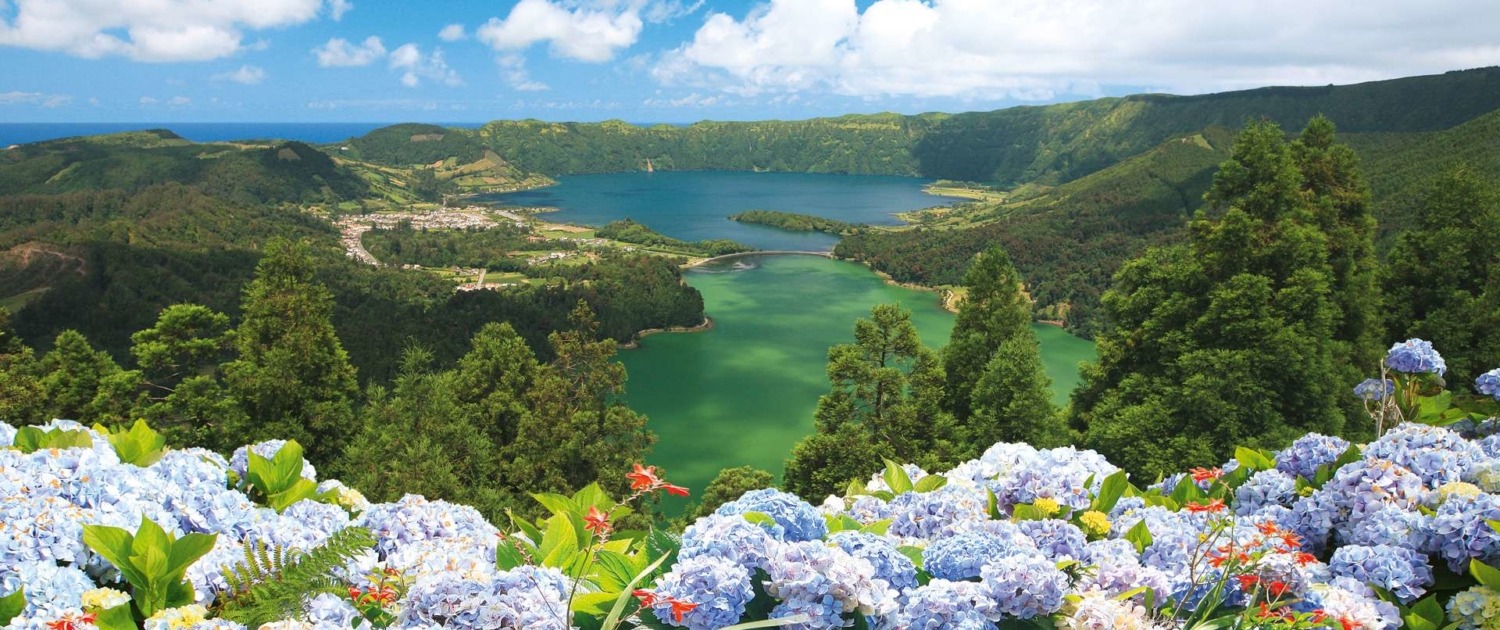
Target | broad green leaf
(1110,491)
(188,550)
(1486,574)
(559,542)
(507,556)
(992,504)
(612,620)
(1140,536)
(288,463)
(614,571)
(1495,525)
(1026,512)
(592,495)
(1426,614)
(117,618)
(33,439)
(855,489)
(895,476)
(179,593)
(11,606)
(528,529)
(759,518)
(878,527)
(299,490)
(912,553)
(114,544)
(930,483)
(556,503)
(139,446)
(594,604)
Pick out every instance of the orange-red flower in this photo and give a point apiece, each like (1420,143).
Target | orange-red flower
(1268,528)
(1201,474)
(1213,506)
(1277,588)
(1303,558)
(643,478)
(677,490)
(72,621)
(1247,581)
(648,599)
(597,521)
(680,607)
(1349,624)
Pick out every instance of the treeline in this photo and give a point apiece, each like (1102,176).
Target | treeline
(630,231)
(792,221)
(488,431)
(487,248)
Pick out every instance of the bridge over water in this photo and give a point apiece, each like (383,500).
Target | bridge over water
(782,252)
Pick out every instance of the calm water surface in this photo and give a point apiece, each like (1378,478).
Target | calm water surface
(695,205)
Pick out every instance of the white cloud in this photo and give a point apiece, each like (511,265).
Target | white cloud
(148,100)
(178,101)
(147,30)
(582,30)
(1038,49)
(337,8)
(513,69)
(691,100)
(339,53)
(34,98)
(452,33)
(417,66)
(246,75)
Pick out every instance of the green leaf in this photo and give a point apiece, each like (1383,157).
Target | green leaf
(33,439)
(592,495)
(11,606)
(612,621)
(1495,525)
(299,490)
(1426,614)
(912,553)
(594,604)
(1110,491)
(556,503)
(992,504)
(114,544)
(895,476)
(1253,460)
(1486,574)
(1026,512)
(507,556)
(768,623)
(188,550)
(855,489)
(139,446)
(559,542)
(759,518)
(614,572)
(878,527)
(117,618)
(930,483)
(1140,536)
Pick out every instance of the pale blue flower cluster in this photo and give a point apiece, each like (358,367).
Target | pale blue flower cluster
(943,604)
(1436,454)
(1460,531)
(959,557)
(889,563)
(1374,389)
(1308,453)
(731,538)
(1487,384)
(796,520)
(720,589)
(527,597)
(1057,539)
(1024,586)
(1415,356)
(1267,487)
(414,518)
(1402,571)
(825,583)
(944,512)
(330,611)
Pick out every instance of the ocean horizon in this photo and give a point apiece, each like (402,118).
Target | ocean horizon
(316,132)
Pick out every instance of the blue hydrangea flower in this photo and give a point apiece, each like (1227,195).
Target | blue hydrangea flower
(1475,609)
(824,583)
(1486,472)
(796,520)
(7,435)
(1374,389)
(720,589)
(1487,384)
(1308,453)
(526,597)
(1066,475)
(1403,572)
(1359,489)
(729,537)
(944,605)
(1024,586)
(867,509)
(1490,445)
(1057,539)
(889,563)
(1459,531)
(1312,518)
(51,590)
(1116,569)
(1390,526)
(329,610)
(414,518)
(1267,487)
(960,557)
(1415,356)
(941,512)
(1436,454)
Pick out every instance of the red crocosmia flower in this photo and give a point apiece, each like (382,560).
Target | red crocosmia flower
(1201,474)
(354,594)
(1214,506)
(1277,588)
(680,607)
(643,478)
(1268,528)
(676,490)
(1247,581)
(648,599)
(1349,624)
(71,621)
(1303,558)
(1290,540)
(1318,616)
(597,521)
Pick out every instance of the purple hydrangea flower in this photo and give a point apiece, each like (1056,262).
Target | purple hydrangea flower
(1415,356)
(1310,452)
(1403,572)
(1489,383)
(1374,389)
(1024,586)
(1057,539)
(944,605)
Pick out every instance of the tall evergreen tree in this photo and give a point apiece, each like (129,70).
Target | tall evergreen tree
(493,380)
(179,361)
(885,403)
(1443,280)
(21,393)
(997,389)
(84,384)
(1233,337)
(292,375)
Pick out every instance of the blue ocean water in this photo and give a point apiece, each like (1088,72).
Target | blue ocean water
(316,133)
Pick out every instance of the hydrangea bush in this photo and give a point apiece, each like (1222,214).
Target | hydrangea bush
(1398,532)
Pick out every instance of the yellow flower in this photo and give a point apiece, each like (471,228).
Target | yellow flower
(1094,523)
(178,618)
(103,599)
(1457,489)
(1046,506)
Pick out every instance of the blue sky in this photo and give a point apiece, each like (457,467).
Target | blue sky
(686,60)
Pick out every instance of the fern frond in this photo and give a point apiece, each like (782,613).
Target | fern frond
(284,579)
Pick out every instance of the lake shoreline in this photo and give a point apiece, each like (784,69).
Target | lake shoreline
(635,341)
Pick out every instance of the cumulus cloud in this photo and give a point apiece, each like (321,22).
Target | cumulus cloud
(513,69)
(339,53)
(34,98)
(146,30)
(178,101)
(1038,49)
(582,30)
(416,66)
(246,75)
(452,33)
(337,8)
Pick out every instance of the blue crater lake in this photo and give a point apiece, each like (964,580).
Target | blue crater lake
(695,205)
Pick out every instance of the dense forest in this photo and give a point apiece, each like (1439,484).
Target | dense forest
(791,221)
(631,231)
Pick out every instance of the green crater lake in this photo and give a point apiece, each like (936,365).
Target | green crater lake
(744,392)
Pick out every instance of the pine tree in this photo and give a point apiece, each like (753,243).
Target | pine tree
(492,381)
(1443,280)
(22,396)
(292,376)
(84,384)
(1231,338)
(997,389)
(179,361)
(884,404)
